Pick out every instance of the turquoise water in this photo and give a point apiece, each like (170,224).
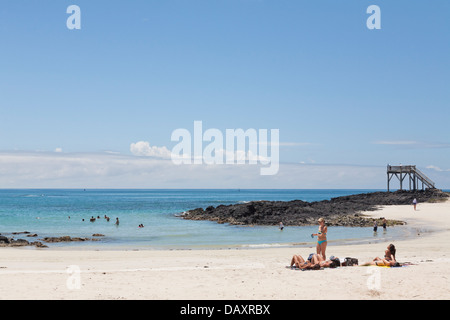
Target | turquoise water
(60,212)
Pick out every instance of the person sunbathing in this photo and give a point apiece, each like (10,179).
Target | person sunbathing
(389,254)
(332,263)
(303,264)
(387,261)
(378,262)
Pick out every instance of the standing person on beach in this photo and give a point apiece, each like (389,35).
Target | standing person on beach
(415,203)
(321,238)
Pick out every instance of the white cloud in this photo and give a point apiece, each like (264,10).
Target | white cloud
(397,143)
(241,155)
(435,168)
(286,144)
(414,144)
(58,150)
(143,148)
(107,170)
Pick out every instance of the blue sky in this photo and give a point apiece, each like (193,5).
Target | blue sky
(340,94)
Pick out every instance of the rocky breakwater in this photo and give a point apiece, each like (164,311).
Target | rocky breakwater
(340,211)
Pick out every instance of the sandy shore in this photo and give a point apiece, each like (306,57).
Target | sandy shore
(239,274)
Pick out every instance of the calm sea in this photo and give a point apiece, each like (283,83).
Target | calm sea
(61,212)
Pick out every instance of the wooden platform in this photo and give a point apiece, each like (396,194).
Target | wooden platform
(415,177)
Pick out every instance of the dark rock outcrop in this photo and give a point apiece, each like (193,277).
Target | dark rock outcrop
(4,240)
(66,239)
(11,242)
(340,211)
(18,243)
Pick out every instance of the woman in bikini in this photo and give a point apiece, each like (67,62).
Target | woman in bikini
(318,259)
(303,264)
(388,260)
(389,255)
(321,238)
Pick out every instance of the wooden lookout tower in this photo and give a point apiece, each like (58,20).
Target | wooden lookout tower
(415,177)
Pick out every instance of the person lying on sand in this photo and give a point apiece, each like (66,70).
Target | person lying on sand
(332,263)
(303,264)
(388,260)
(377,262)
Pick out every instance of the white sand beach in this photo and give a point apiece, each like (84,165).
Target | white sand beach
(239,274)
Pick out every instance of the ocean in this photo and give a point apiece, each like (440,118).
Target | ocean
(60,212)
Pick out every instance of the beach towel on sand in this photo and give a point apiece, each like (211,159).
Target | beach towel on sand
(403,264)
(306,269)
